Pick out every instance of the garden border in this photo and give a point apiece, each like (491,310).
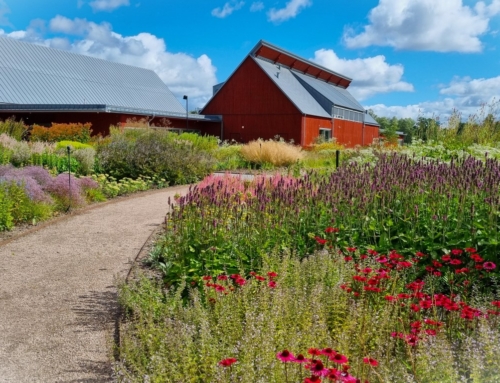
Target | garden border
(83,210)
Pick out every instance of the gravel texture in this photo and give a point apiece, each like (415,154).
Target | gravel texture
(58,303)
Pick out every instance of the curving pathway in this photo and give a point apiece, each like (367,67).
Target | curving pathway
(57,293)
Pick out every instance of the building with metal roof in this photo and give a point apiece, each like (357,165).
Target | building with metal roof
(274,92)
(44,85)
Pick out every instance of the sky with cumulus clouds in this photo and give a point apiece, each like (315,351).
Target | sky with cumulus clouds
(407,58)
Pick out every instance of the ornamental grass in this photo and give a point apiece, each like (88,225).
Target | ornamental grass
(276,153)
(323,319)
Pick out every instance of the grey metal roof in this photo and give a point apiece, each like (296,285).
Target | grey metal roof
(292,88)
(370,120)
(322,90)
(34,74)
(101,108)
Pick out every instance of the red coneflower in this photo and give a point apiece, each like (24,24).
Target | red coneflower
(318,369)
(370,361)
(455,262)
(314,351)
(260,278)
(207,278)
(300,359)
(320,240)
(219,288)
(285,356)
(430,332)
(489,266)
(328,351)
(272,284)
(331,230)
(496,303)
(227,362)
(272,274)
(312,379)
(339,358)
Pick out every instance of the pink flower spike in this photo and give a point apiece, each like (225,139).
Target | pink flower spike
(285,356)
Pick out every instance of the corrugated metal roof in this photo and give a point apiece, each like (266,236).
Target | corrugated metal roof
(292,88)
(34,74)
(101,108)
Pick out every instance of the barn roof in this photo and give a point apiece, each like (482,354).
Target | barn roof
(277,55)
(36,75)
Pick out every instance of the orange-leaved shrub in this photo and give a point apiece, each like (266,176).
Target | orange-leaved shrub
(58,132)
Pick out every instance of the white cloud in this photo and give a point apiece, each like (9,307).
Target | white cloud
(432,25)
(4,10)
(370,76)
(257,6)
(291,9)
(466,95)
(108,5)
(227,9)
(183,73)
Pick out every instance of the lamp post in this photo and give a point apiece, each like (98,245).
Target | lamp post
(187,111)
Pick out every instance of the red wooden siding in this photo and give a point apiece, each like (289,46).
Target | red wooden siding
(311,128)
(254,107)
(371,133)
(102,121)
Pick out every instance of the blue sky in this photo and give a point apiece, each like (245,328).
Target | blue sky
(406,57)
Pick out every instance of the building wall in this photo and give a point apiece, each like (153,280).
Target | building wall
(102,121)
(254,107)
(311,128)
(350,133)
(371,133)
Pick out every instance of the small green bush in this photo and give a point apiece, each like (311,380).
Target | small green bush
(75,145)
(154,154)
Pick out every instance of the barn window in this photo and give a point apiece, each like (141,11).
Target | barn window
(325,134)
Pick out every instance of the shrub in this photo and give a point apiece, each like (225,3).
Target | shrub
(13,128)
(277,153)
(75,145)
(229,157)
(59,132)
(199,142)
(86,160)
(22,200)
(66,196)
(153,153)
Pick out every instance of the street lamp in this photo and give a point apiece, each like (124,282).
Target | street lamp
(187,112)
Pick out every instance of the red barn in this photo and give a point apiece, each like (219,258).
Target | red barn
(274,92)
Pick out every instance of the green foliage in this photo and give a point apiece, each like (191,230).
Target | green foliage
(153,153)
(203,143)
(13,128)
(55,161)
(17,207)
(171,337)
(75,145)
(111,188)
(229,157)
(5,155)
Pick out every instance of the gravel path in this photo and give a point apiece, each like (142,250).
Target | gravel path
(57,292)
